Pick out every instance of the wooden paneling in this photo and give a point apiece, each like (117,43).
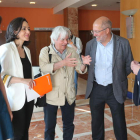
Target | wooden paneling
(65,17)
(85,36)
(32,48)
(42,39)
(2,37)
(135,41)
(116,32)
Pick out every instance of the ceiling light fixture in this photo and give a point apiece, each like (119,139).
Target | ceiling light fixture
(0,1)
(94,5)
(129,12)
(32,2)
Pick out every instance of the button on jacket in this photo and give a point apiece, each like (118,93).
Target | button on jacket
(62,79)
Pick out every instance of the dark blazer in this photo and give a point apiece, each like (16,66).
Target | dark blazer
(136,94)
(122,57)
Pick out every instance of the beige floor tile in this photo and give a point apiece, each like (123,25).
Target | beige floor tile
(82,120)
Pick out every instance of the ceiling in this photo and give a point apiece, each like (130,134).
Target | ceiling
(113,5)
(25,3)
(102,4)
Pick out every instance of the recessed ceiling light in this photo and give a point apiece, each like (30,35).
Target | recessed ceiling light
(0,1)
(32,2)
(94,5)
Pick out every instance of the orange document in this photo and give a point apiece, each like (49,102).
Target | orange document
(43,84)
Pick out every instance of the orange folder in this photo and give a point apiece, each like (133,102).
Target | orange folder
(43,84)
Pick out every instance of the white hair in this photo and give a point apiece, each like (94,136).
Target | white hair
(57,31)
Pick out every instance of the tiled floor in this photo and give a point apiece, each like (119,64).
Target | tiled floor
(83,120)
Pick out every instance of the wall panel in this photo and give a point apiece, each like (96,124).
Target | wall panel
(134,42)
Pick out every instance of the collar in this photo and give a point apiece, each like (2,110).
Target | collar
(57,50)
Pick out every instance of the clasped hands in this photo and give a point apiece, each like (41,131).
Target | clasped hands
(135,66)
(72,62)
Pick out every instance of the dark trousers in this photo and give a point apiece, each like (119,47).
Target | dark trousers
(99,96)
(50,114)
(21,121)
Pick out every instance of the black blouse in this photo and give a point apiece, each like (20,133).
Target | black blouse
(27,72)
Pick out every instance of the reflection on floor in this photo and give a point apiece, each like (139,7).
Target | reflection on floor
(83,120)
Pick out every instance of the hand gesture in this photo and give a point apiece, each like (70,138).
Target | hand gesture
(70,62)
(135,67)
(86,59)
(29,82)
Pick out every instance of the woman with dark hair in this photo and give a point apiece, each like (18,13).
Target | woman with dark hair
(16,72)
(5,113)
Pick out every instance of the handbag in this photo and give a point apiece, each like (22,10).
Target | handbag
(41,101)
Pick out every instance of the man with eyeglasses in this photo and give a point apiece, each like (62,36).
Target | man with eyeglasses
(107,78)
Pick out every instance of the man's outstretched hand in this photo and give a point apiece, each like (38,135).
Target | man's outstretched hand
(86,60)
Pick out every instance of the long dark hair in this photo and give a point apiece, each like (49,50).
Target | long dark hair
(15,25)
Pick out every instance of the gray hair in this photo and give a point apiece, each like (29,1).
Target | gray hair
(57,31)
(107,23)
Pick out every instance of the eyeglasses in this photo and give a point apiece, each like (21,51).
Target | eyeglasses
(98,31)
